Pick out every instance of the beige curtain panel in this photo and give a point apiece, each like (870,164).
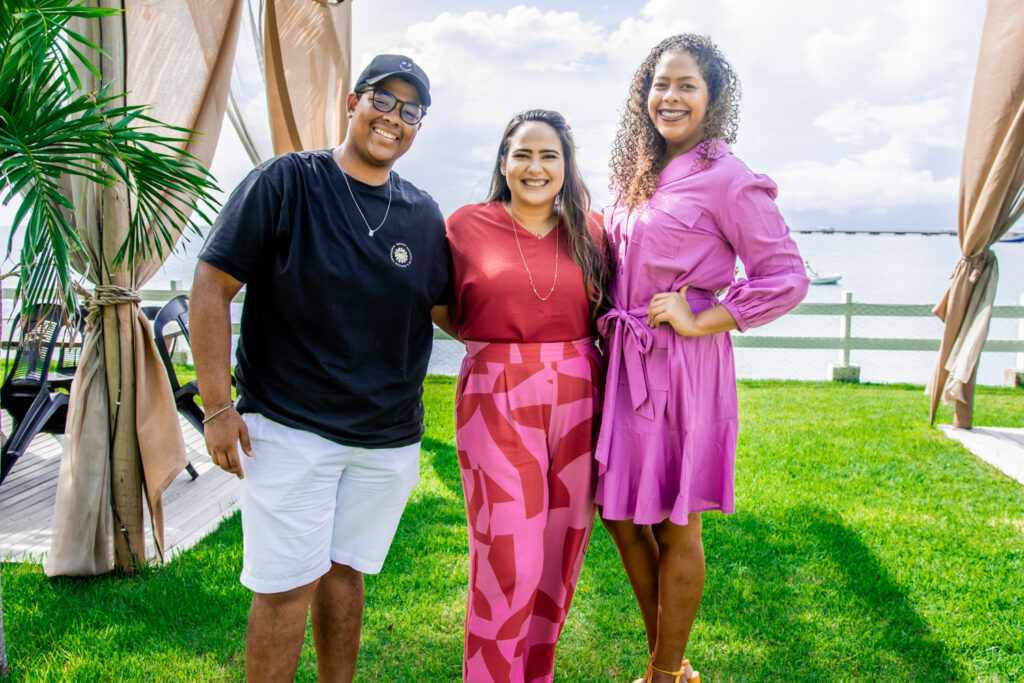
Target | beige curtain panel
(303,48)
(991,181)
(176,55)
(307,61)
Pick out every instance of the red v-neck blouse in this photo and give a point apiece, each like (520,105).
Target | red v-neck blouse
(493,298)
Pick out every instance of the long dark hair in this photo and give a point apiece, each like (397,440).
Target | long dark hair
(638,149)
(572,204)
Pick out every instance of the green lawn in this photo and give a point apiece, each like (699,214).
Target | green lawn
(867,546)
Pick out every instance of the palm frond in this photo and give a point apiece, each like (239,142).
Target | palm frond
(36,32)
(50,129)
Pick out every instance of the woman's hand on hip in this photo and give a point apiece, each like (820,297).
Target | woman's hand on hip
(674,309)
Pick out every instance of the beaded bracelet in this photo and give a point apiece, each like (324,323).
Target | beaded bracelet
(230,405)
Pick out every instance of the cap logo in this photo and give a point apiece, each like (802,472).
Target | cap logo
(406,65)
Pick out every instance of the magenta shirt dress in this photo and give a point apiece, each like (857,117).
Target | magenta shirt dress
(667,445)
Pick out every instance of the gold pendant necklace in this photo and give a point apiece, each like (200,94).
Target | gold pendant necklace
(515,231)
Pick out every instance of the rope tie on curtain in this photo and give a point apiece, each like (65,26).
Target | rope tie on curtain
(976,264)
(106,295)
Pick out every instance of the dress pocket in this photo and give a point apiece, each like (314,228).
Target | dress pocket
(668,228)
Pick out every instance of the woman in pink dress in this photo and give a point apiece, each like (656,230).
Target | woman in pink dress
(683,209)
(530,279)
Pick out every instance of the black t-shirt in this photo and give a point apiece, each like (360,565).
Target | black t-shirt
(335,332)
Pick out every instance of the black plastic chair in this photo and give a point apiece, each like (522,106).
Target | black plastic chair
(170,325)
(35,395)
(69,351)
(173,315)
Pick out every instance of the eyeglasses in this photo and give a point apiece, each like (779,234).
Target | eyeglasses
(383,101)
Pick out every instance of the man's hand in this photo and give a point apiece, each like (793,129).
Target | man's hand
(223,435)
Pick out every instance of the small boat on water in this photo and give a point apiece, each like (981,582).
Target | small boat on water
(817,279)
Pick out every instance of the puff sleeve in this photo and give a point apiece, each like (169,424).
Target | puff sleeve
(776,279)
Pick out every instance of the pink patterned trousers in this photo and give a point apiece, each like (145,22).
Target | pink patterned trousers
(526,416)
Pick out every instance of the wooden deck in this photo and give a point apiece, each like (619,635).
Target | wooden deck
(192,509)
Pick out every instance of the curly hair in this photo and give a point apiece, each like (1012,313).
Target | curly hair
(638,149)
(572,204)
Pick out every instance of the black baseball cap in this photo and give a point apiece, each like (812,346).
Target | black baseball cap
(382,67)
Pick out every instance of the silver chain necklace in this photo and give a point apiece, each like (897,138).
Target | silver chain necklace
(351,194)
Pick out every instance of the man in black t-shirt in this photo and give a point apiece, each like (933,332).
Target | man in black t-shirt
(343,262)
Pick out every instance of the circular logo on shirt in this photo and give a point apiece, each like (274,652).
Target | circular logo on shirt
(400,255)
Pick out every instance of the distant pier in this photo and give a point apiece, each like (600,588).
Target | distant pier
(875,231)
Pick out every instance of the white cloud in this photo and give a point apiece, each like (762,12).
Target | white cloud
(829,54)
(636,35)
(861,109)
(894,49)
(851,108)
(870,182)
(484,67)
(891,165)
(457,47)
(930,122)
(926,49)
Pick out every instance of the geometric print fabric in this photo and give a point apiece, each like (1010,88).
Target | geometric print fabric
(526,416)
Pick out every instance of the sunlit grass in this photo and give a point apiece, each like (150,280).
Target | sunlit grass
(866,546)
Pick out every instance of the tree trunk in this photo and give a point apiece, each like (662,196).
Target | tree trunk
(119,349)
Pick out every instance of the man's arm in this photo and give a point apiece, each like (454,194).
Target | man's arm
(209,321)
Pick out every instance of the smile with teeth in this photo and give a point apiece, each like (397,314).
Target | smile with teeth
(384,134)
(534,183)
(672,115)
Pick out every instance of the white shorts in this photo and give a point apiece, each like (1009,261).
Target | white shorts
(307,501)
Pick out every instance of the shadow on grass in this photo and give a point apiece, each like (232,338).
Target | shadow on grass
(444,460)
(799,596)
(795,595)
(896,627)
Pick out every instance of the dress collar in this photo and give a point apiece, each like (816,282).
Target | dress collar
(689,162)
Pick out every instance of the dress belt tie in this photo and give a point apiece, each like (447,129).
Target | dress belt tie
(615,325)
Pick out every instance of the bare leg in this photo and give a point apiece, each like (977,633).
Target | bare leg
(639,553)
(337,618)
(273,640)
(680,587)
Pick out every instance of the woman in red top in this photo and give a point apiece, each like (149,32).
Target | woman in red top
(530,277)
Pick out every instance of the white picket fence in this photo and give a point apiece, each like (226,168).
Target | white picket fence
(846,312)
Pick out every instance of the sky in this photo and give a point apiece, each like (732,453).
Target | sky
(858,111)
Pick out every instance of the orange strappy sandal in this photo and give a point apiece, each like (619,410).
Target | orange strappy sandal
(695,678)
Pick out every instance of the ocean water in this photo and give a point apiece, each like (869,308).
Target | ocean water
(885,268)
